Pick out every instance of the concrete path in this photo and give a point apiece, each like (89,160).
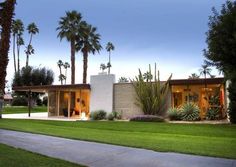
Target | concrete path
(38,116)
(105,155)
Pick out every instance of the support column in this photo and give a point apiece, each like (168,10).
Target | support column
(29,102)
(68,109)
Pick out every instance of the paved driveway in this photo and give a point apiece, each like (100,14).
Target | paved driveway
(105,155)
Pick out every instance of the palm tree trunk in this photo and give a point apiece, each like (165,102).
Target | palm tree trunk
(85,55)
(6,21)
(14,51)
(18,57)
(109,62)
(65,75)
(27,60)
(60,75)
(72,61)
(27,54)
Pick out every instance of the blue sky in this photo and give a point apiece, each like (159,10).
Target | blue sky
(170,33)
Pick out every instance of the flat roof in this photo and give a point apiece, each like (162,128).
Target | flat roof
(198,81)
(45,88)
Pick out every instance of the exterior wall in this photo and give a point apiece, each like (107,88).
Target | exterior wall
(102,92)
(124,100)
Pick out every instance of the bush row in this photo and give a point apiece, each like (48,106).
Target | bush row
(101,115)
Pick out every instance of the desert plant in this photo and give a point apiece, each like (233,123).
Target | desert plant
(174,114)
(213,113)
(98,115)
(147,118)
(151,96)
(190,112)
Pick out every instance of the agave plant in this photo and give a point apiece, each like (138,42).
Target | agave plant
(174,114)
(190,112)
(151,95)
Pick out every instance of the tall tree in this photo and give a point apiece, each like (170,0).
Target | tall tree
(32,30)
(205,70)
(221,50)
(66,65)
(193,76)
(60,64)
(90,43)
(17,32)
(109,48)
(69,27)
(6,15)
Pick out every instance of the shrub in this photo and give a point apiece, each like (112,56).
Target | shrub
(190,112)
(45,100)
(39,102)
(213,113)
(174,114)
(147,118)
(19,101)
(98,115)
(113,115)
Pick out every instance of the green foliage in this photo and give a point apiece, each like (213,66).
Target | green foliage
(20,101)
(45,100)
(147,118)
(39,102)
(232,97)
(98,115)
(123,80)
(190,112)
(29,76)
(174,114)
(221,39)
(151,95)
(113,115)
(213,113)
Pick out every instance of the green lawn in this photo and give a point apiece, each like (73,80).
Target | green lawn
(201,139)
(22,109)
(12,157)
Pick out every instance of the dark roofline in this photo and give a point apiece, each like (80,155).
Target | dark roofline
(199,81)
(44,88)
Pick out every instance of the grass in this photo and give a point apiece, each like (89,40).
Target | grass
(11,157)
(200,139)
(22,109)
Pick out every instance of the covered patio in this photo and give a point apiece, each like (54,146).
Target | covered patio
(64,101)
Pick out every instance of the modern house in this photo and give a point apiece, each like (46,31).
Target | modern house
(79,100)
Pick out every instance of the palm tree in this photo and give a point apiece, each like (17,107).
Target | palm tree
(60,64)
(193,76)
(69,27)
(123,80)
(66,65)
(90,43)
(103,67)
(205,70)
(109,48)
(32,30)
(61,78)
(17,31)
(6,14)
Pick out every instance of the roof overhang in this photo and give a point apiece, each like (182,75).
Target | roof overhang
(200,81)
(46,88)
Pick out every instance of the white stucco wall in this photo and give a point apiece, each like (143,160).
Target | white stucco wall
(102,92)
